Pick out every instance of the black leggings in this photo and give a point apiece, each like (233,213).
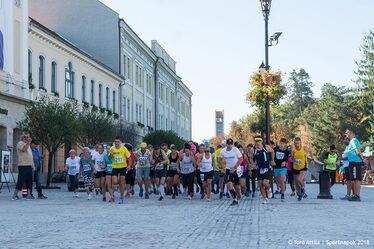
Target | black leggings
(332,174)
(291,180)
(130,177)
(24,176)
(253,179)
(187,182)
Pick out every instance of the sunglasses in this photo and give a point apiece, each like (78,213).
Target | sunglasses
(207,151)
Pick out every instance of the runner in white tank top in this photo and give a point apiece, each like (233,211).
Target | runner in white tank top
(206,172)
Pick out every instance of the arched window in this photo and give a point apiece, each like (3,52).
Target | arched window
(41,71)
(100,95)
(83,88)
(54,77)
(107,98)
(69,81)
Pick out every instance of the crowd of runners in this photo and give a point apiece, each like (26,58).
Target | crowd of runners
(231,170)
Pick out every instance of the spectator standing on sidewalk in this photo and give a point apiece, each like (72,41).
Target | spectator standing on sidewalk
(25,166)
(37,173)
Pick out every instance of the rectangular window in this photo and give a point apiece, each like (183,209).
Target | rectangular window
(69,82)
(17,45)
(128,68)
(100,95)
(41,71)
(30,65)
(136,74)
(128,110)
(107,98)
(140,114)
(124,107)
(136,112)
(124,66)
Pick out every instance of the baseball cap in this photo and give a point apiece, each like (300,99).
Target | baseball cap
(143,145)
(229,141)
(223,142)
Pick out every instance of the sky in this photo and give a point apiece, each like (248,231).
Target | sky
(218,44)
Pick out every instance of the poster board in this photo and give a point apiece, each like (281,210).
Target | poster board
(6,166)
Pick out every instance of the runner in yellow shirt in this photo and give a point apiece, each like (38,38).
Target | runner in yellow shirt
(120,157)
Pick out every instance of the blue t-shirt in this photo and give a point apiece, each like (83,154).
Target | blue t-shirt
(86,166)
(352,155)
(37,162)
(108,164)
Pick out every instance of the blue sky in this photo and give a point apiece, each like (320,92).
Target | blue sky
(218,43)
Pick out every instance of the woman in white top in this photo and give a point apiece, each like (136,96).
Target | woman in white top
(72,166)
(205,164)
(98,161)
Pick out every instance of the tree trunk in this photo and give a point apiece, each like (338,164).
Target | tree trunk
(50,163)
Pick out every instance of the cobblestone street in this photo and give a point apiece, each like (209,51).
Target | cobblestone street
(65,222)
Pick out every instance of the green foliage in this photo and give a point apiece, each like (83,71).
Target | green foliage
(159,137)
(265,85)
(51,123)
(95,127)
(365,82)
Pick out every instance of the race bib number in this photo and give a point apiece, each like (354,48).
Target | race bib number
(173,166)
(119,159)
(86,167)
(202,177)
(160,166)
(279,155)
(239,171)
(109,168)
(263,171)
(297,162)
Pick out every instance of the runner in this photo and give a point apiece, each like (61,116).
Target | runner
(233,159)
(152,174)
(37,173)
(205,163)
(130,174)
(330,160)
(299,167)
(243,178)
(160,161)
(290,176)
(173,171)
(119,155)
(187,169)
(198,181)
(108,174)
(253,169)
(143,169)
(356,160)
(165,148)
(263,156)
(222,167)
(217,171)
(98,161)
(72,167)
(280,168)
(87,170)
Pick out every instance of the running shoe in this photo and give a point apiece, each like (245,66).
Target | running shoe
(104,199)
(293,193)
(220,195)
(15,198)
(121,200)
(202,196)
(160,198)
(141,192)
(30,197)
(89,197)
(228,195)
(246,194)
(189,197)
(112,200)
(270,194)
(42,197)
(282,196)
(97,191)
(253,194)
(179,191)
(132,192)
(208,199)
(265,201)
(234,203)
(277,192)
(127,195)
(354,198)
(76,195)
(345,198)
(146,195)
(299,197)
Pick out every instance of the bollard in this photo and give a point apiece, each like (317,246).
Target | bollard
(324,185)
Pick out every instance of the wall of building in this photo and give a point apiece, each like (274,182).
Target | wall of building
(89,24)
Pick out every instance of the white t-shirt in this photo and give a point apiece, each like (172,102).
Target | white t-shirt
(206,164)
(99,160)
(73,165)
(231,157)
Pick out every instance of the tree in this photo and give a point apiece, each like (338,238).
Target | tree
(95,127)
(127,133)
(300,92)
(159,137)
(365,82)
(52,123)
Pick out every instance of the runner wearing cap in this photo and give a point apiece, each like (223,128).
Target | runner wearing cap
(143,169)
(263,156)
(233,159)
(72,166)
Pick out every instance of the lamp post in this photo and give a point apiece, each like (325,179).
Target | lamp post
(265,6)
